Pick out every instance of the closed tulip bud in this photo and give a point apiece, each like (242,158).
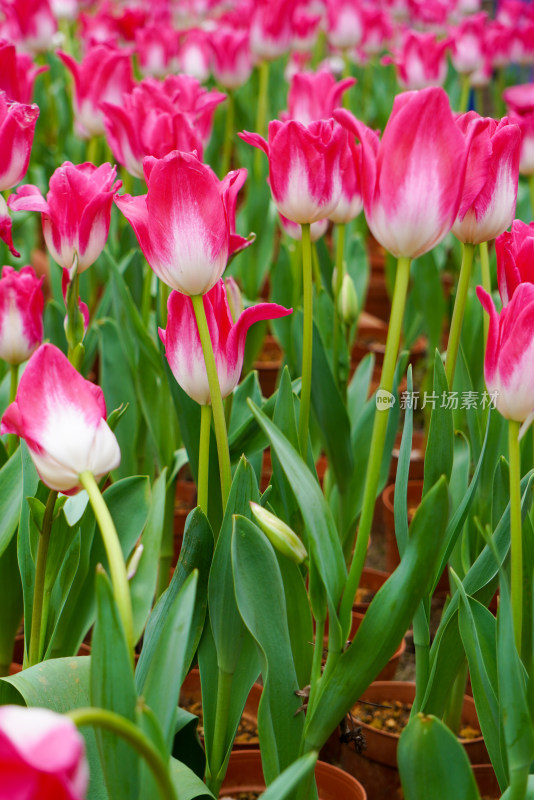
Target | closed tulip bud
(279,534)
(62,417)
(42,755)
(21,314)
(348,305)
(509,360)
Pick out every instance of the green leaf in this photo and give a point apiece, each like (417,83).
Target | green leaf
(286,783)
(440,446)
(358,389)
(187,785)
(400,500)
(433,763)
(112,687)
(12,606)
(299,618)
(258,576)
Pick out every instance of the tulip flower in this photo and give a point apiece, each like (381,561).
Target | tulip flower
(410,194)
(17,74)
(185,223)
(42,756)
(17,125)
(232,59)
(194,54)
(104,75)
(21,314)
(304,167)
(351,199)
(183,348)
(30,25)
(515,258)
(270,28)
(62,418)
(520,99)
(345,23)
(490,191)
(156,48)
(314,95)
(147,123)
(421,60)
(76,212)
(469,44)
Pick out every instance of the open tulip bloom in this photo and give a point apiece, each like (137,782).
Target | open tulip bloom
(515,258)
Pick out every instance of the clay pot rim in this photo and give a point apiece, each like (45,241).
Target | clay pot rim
(389,492)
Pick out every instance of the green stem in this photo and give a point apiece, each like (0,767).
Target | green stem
(228,134)
(486,281)
(204,457)
(464,95)
(458,312)
(377,443)
(92,152)
(516,540)
(217,406)
(224,687)
(12,438)
(453,713)
(316,663)
(164,292)
(531,190)
(340,249)
(146,297)
(263,111)
(75,325)
(122,727)
(307,340)
(38,618)
(421,639)
(117,567)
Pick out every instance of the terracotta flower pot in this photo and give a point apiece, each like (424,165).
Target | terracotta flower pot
(18,653)
(487,782)
(191,690)
(415,491)
(268,365)
(371,580)
(245,774)
(417,457)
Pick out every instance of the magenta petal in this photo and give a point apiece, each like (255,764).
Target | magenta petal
(490,361)
(28,198)
(237,337)
(255,140)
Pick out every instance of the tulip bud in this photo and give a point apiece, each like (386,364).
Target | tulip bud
(279,534)
(348,301)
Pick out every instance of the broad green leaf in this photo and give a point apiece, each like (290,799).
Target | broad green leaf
(358,389)
(286,783)
(10,498)
(258,576)
(440,445)
(112,687)
(12,606)
(433,763)
(400,500)
(299,618)
(187,785)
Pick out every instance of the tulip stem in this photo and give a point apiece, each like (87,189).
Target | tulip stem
(117,566)
(263,111)
(38,617)
(486,282)
(531,189)
(458,312)
(340,249)
(516,542)
(224,688)
(377,444)
(12,438)
(146,297)
(93,147)
(228,134)
(204,457)
(125,729)
(464,94)
(307,340)
(217,405)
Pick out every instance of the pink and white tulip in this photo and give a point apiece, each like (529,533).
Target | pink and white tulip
(351,199)
(17,126)
(185,94)
(421,60)
(184,350)
(195,54)
(156,47)
(515,258)
(103,75)
(469,44)
(509,360)
(76,212)
(185,224)
(489,195)
(520,99)
(42,756)
(304,167)
(345,23)
(410,194)
(30,25)
(21,314)
(62,418)
(17,74)
(314,95)
(271,29)
(232,59)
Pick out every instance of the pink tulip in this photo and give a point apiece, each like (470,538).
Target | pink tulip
(62,418)
(351,199)
(17,74)
(525,123)
(411,195)
(345,23)
(304,30)
(271,28)
(489,195)
(314,95)
(377,31)
(499,43)
(156,47)
(232,59)
(421,60)
(469,43)
(184,350)
(148,123)
(515,258)
(185,223)
(520,99)
(17,125)
(21,314)
(42,756)
(76,212)
(103,76)
(30,25)
(509,361)
(195,54)
(304,167)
